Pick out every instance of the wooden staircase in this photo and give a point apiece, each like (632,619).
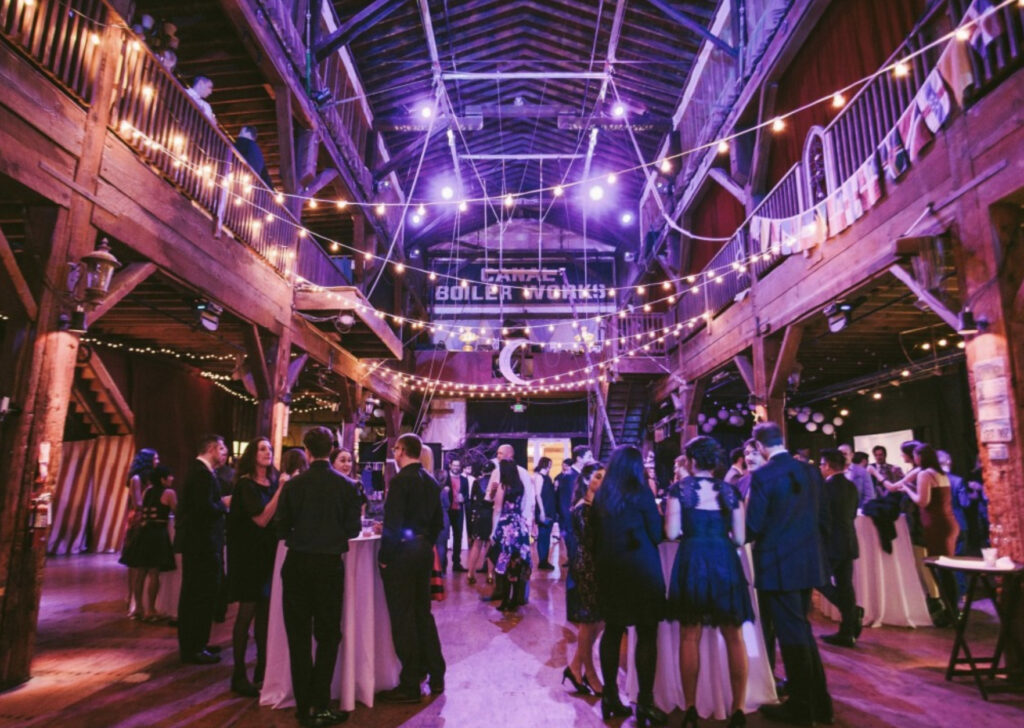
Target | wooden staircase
(628,401)
(96,402)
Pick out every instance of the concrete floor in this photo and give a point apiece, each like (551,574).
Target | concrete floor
(95,668)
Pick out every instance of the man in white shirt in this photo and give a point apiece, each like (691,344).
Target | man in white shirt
(201,88)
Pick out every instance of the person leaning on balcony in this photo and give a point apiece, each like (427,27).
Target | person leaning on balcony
(250,150)
(200,89)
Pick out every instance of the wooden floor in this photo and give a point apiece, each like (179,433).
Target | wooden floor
(96,668)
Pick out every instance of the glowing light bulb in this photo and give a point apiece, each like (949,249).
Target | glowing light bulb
(778,125)
(509,200)
(312,204)
(640,290)
(905,373)
(838,101)
(558,191)
(463,206)
(432,276)
(723,147)
(367,256)
(380,210)
(619,110)
(963,34)
(612,178)
(426,112)
(447,192)
(877,395)
(900,70)
(341,204)
(421,210)
(665,166)
(399,268)
(596,192)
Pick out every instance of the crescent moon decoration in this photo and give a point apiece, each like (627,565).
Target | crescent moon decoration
(505,360)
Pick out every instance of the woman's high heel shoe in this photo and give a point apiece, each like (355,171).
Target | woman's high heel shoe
(690,718)
(581,687)
(591,688)
(650,714)
(737,720)
(612,707)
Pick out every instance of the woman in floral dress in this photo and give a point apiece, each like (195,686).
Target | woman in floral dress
(510,551)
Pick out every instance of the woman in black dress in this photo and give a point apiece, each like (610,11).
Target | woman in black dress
(138,480)
(510,552)
(581,587)
(708,587)
(630,584)
(252,546)
(480,513)
(151,551)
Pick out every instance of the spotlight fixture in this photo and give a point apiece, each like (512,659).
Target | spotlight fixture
(838,315)
(320,97)
(596,193)
(209,313)
(421,210)
(969,324)
(447,192)
(627,218)
(416,219)
(618,110)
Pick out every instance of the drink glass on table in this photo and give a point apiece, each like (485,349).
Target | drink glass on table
(989,556)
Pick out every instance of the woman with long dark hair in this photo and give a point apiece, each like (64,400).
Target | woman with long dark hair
(252,546)
(581,587)
(480,513)
(630,584)
(708,587)
(510,553)
(152,551)
(138,480)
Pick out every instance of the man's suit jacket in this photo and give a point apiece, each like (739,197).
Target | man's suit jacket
(563,494)
(463,488)
(547,498)
(199,522)
(842,496)
(787,518)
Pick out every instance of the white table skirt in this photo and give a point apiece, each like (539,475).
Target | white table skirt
(367,662)
(714,696)
(887,586)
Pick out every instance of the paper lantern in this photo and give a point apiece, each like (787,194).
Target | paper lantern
(818,417)
(812,426)
(827,428)
(700,418)
(706,427)
(712,421)
(736,420)
(838,421)
(723,414)
(802,417)
(791,411)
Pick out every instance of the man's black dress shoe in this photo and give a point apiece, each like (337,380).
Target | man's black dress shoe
(839,640)
(459,569)
(200,658)
(213,649)
(399,695)
(243,687)
(325,717)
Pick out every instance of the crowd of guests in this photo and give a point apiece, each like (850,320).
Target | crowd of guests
(611,518)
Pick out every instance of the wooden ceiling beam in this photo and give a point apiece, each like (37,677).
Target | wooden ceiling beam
(125,281)
(931,300)
(350,29)
(687,22)
(257,361)
(786,360)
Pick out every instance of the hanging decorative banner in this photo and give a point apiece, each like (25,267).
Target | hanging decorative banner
(955,67)
(836,205)
(933,101)
(869,187)
(894,155)
(914,131)
(522,287)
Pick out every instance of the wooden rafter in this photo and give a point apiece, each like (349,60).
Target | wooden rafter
(786,360)
(257,361)
(930,299)
(687,22)
(125,281)
(366,18)
(18,283)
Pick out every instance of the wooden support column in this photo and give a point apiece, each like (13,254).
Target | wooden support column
(693,398)
(36,437)
(274,406)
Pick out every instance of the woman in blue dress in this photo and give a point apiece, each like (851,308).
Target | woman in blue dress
(708,587)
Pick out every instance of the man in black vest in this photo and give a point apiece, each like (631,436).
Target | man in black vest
(841,548)
(786,519)
(412,522)
(199,537)
(318,512)
(458,486)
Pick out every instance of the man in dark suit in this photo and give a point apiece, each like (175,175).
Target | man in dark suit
(581,455)
(841,548)
(318,512)
(249,149)
(547,508)
(458,490)
(199,537)
(786,519)
(412,522)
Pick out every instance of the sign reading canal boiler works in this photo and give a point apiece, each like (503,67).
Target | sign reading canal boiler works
(524,285)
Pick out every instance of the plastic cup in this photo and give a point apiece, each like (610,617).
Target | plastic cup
(989,556)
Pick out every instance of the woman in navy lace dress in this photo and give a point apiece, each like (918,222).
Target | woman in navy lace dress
(708,587)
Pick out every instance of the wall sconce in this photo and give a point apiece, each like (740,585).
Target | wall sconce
(99,267)
(88,283)
(969,324)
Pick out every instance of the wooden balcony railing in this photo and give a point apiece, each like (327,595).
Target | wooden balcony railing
(641,331)
(152,112)
(62,36)
(784,200)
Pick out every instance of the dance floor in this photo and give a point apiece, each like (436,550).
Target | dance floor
(96,668)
